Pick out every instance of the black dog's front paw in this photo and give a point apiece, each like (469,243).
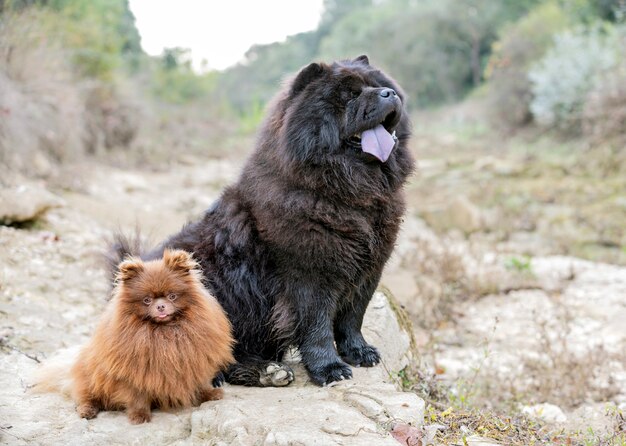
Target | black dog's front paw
(365,356)
(335,371)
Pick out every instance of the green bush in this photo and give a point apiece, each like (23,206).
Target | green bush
(180,87)
(520,45)
(562,79)
(98,34)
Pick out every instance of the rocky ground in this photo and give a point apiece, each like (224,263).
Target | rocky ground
(53,290)
(497,326)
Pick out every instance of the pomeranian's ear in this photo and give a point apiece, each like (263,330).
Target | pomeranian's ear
(129,269)
(178,260)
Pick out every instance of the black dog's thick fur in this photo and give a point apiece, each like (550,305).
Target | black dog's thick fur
(295,248)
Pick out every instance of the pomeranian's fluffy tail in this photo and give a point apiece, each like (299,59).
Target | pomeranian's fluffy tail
(119,247)
(54,375)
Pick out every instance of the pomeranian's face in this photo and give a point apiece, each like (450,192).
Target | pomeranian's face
(161,290)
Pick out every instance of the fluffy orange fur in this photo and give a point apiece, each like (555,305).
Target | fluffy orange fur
(159,344)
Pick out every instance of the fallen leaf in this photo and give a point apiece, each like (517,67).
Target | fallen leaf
(406,434)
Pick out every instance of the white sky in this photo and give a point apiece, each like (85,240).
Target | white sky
(220,31)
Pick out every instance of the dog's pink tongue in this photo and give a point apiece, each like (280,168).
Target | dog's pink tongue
(377,142)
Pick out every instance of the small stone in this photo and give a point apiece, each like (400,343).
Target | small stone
(475,440)
(546,412)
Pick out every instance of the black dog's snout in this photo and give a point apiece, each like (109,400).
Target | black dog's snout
(387,92)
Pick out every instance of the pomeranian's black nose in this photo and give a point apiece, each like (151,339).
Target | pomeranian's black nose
(161,307)
(387,92)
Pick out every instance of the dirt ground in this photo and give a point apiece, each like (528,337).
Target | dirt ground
(499,327)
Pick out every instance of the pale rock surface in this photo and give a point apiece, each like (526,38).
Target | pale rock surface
(53,290)
(354,412)
(25,202)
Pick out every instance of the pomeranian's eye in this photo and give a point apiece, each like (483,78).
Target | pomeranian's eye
(147,300)
(172,297)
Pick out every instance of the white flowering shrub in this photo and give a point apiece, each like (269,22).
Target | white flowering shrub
(561,80)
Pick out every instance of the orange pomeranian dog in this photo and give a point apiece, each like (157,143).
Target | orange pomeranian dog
(161,341)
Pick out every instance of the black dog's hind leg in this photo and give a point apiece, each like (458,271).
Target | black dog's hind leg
(350,342)
(259,373)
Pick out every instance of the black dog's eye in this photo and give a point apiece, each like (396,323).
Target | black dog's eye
(355,94)
(147,300)
(172,297)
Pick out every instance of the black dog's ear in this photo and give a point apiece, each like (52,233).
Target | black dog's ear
(129,269)
(307,75)
(363,59)
(179,260)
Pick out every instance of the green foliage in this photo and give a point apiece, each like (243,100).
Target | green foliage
(250,119)
(335,10)
(438,50)
(176,58)
(174,81)
(562,79)
(97,33)
(435,49)
(100,35)
(521,44)
(260,76)
(588,11)
(520,265)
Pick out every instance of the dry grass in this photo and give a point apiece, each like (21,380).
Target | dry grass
(441,276)
(459,426)
(459,419)
(562,375)
(50,115)
(604,111)
(42,110)
(560,370)
(449,272)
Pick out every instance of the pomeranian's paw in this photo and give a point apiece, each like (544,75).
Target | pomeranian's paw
(335,371)
(211,395)
(218,380)
(363,356)
(87,410)
(276,375)
(139,416)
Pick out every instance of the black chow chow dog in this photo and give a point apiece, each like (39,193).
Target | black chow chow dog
(295,248)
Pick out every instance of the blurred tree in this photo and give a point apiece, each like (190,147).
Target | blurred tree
(335,10)
(173,79)
(588,11)
(520,45)
(259,76)
(436,49)
(176,58)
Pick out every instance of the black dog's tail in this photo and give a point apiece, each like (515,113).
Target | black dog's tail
(119,247)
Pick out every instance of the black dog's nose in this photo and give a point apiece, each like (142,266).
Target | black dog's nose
(386,92)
